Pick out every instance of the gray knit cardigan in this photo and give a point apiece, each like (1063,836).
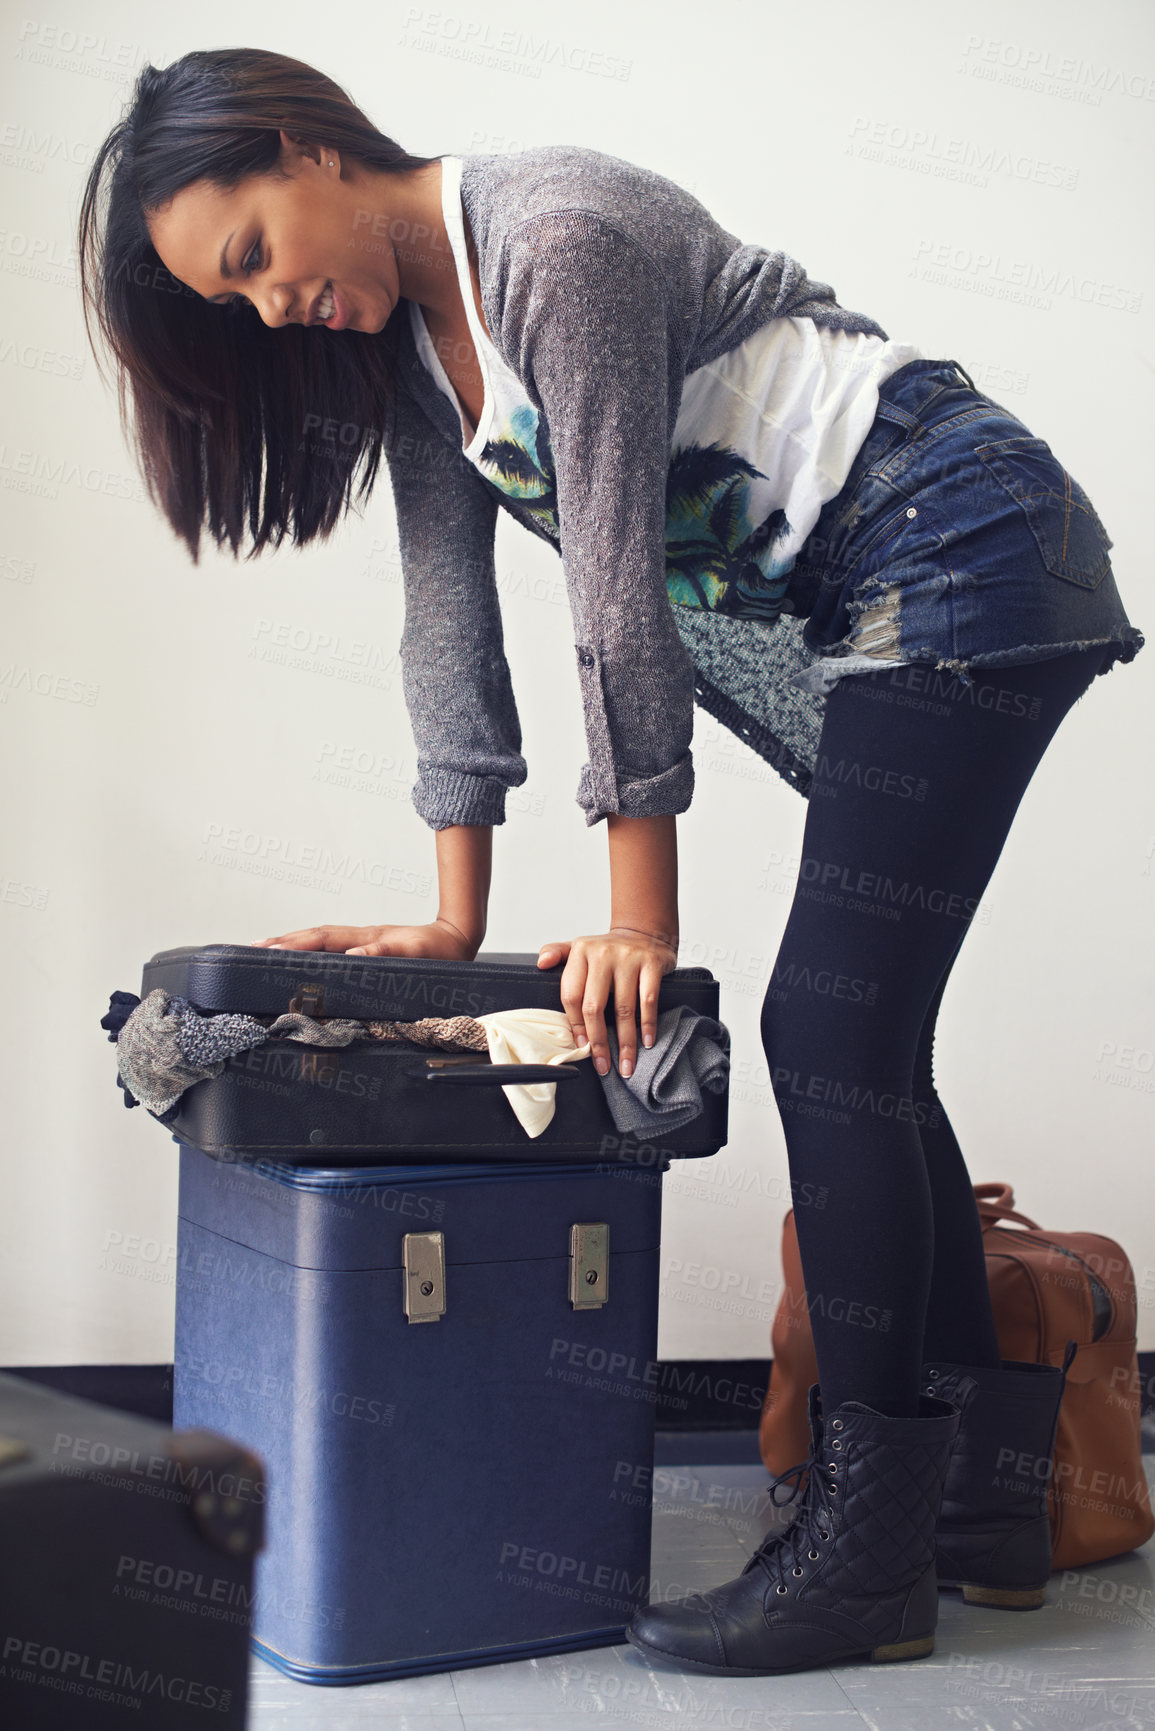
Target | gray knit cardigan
(603,285)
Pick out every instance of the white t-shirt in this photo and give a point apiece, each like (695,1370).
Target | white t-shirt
(765,435)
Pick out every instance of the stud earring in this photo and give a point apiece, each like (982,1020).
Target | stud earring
(330,162)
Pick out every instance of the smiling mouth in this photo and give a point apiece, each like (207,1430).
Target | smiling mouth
(323,307)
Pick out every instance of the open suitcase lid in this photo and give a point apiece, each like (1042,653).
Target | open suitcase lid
(255,981)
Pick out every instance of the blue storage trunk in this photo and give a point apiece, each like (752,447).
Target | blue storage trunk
(450,1373)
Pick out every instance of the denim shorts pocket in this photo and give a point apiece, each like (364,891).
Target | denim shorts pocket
(1071,538)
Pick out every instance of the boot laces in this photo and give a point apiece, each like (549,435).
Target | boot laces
(811,1523)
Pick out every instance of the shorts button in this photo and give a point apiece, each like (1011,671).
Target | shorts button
(912,512)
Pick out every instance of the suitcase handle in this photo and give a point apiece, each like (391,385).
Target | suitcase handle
(469,1072)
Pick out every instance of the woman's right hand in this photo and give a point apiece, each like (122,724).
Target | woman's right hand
(438,938)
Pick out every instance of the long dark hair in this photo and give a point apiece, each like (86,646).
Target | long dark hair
(222,403)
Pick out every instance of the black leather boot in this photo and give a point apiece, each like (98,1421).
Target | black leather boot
(854,1572)
(994,1532)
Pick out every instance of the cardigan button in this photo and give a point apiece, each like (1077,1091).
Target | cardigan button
(585,657)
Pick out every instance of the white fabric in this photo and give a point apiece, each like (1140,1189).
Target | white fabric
(795,400)
(531,1037)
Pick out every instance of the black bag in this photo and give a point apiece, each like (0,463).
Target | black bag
(375,1101)
(127,1567)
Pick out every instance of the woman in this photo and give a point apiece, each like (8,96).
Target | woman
(719,452)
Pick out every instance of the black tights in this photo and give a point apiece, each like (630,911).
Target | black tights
(917,782)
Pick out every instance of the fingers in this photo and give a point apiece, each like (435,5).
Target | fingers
(599,979)
(649,985)
(354,940)
(314,938)
(625,1009)
(636,988)
(585,986)
(551,954)
(591,972)
(572,989)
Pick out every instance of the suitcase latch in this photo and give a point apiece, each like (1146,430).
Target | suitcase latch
(589,1265)
(424,1257)
(308,1000)
(13,1449)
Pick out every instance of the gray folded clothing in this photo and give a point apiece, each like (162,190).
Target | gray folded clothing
(166,1044)
(690,1052)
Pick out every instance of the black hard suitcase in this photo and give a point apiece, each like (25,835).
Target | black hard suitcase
(372,1101)
(126,1568)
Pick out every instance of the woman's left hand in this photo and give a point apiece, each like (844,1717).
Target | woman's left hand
(632,965)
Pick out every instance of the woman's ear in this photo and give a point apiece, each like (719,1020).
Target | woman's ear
(296,151)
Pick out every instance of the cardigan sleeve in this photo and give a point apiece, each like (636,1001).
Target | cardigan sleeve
(454,673)
(587,324)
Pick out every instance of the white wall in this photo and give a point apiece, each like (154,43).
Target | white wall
(186,733)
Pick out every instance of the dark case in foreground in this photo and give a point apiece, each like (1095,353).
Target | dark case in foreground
(126,1568)
(451,1373)
(374,1102)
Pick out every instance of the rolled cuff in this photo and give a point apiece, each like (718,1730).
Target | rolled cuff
(663,795)
(448,796)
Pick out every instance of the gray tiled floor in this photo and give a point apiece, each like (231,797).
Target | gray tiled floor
(1085,1662)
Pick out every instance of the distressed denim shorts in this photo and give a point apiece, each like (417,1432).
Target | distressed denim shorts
(958,540)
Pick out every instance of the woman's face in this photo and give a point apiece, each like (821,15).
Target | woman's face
(283,243)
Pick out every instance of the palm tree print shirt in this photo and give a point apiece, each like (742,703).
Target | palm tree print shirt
(650,413)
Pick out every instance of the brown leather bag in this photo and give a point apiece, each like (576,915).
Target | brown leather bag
(1046,1288)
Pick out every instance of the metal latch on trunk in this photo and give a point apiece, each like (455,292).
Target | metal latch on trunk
(308,999)
(589,1265)
(424,1258)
